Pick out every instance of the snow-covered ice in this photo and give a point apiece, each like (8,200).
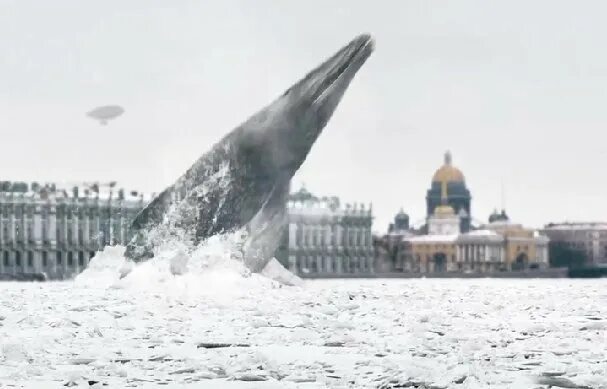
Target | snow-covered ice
(168,322)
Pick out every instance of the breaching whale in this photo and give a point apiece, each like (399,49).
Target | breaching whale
(242,183)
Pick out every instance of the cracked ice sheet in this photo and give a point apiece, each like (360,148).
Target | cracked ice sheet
(340,333)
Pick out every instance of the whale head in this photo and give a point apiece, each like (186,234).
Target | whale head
(281,135)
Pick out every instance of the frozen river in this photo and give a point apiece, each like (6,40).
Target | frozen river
(447,333)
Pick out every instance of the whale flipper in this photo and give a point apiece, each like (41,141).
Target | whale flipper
(265,227)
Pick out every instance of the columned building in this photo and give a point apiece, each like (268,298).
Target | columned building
(459,197)
(54,233)
(481,251)
(324,238)
(496,246)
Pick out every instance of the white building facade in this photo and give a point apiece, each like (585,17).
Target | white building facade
(53,233)
(323,238)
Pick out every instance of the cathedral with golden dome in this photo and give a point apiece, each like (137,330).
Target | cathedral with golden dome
(449,243)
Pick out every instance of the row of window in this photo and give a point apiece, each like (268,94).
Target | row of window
(64,235)
(325,264)
(433,267)
(318,237)
(20,258)
(64,212)
(430,258)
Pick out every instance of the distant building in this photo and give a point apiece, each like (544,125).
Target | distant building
(577,244)
(54,233)
(435,251)
(497,217)
(401,223)
(325,238)
(387,247)
(497,246)
(449,244)
(523,247)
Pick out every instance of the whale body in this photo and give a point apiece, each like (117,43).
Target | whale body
(242,183)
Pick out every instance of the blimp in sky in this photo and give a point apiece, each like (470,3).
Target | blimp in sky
(105,113)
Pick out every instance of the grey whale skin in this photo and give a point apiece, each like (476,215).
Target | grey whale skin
(243,181)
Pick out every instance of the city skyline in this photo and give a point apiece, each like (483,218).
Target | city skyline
(512,93)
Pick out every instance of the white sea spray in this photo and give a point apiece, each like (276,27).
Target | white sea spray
(215,266)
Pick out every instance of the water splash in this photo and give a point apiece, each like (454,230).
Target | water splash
(214,267)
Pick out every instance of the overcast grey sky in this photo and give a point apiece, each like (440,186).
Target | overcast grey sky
(515,89)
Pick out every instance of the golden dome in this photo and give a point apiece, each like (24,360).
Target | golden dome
(448,172)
